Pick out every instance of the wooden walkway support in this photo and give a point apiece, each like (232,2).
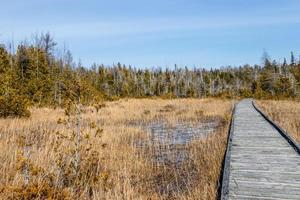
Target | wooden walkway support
(260,163)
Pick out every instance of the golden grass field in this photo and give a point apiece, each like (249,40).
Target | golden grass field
(286,113)
(43,157)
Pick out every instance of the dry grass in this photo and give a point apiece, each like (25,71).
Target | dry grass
(286,113)
(112,165)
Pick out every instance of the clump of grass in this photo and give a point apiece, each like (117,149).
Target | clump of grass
(284,112)
(168,108)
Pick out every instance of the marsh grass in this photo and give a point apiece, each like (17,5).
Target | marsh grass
(284,112)
(112,166)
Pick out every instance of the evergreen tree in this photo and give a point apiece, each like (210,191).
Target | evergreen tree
(12,104)
(292,59)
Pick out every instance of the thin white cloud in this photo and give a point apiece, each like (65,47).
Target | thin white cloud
(132,27)
(156,25)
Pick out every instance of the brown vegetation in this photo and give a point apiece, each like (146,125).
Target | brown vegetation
(286,113)
(42,157)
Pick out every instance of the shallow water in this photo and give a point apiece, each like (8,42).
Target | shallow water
(169,144)
(180,134)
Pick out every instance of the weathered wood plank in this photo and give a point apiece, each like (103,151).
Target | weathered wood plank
(263,165)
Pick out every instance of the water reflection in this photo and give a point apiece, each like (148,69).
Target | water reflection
(169,144)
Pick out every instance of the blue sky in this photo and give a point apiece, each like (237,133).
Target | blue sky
(147,33)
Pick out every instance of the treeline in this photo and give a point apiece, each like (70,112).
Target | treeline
(37,75)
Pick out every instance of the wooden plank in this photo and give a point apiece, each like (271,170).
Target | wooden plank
(263,164)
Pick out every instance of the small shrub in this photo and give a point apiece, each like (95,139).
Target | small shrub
(13,106)
(61,121)
(147,112)
(33,191)
(92,125)
(99,106)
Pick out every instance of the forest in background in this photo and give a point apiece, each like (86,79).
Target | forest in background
(36,74)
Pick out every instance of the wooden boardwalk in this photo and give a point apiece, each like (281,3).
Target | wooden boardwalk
(261,164)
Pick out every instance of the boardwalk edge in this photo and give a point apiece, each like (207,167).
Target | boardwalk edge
(224,193)
(283,133)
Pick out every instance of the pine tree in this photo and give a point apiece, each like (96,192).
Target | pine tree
(292,59)
(12,104)
(285,68)
(283,87)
